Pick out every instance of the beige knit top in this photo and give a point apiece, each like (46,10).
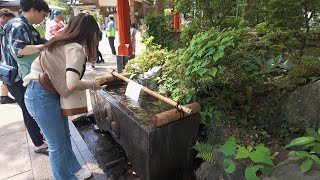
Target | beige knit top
(56,62)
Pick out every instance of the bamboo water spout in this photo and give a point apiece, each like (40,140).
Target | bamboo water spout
(153,93)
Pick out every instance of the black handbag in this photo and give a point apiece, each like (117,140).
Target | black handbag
(8,73)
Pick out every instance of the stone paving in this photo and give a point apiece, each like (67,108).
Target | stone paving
(17,158)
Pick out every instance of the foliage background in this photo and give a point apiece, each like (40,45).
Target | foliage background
(239,60)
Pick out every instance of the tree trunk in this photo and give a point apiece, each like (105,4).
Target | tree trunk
(160,6)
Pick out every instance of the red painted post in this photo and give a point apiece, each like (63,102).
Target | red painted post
(176,21)
(125,47)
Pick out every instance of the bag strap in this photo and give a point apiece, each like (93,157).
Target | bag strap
(40,57)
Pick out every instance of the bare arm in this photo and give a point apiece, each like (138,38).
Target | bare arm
(75,84)
(74,67)
(30,49)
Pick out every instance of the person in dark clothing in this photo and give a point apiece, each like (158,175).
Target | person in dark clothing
(21,39)
(5,16)
(99,55)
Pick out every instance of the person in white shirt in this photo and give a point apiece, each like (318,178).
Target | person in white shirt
(55,25)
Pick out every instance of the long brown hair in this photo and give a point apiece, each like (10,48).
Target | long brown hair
(82,29)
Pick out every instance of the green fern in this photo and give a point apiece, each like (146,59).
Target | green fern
(205,151)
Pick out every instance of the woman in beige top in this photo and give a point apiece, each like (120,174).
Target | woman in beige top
(63,59)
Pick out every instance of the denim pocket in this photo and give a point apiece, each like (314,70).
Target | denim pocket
(29,102)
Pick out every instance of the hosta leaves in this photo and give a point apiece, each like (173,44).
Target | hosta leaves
(316,149)
(228,148)
(315,158)
(229,165)
(313,133)
(258,62)
(301,154)
(300,141)
(306,165)
(242,153)
(278,59)
(311,144)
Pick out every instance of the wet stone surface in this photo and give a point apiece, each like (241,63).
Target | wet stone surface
(109,154)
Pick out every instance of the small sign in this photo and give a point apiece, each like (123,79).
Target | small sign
(133,90)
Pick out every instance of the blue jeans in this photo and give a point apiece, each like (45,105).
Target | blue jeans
(44,107)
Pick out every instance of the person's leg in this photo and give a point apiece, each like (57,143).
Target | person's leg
(45,108)
(73,162)
(17,90)
(97,59)
(4,98)
(93,65)
(100,56)
(111,43)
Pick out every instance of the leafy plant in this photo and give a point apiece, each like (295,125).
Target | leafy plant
(157,25)
(310,146)
(257,158)
(205,151)
(209,53)
(154,56)
(262,67)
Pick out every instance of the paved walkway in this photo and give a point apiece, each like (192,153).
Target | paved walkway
(17,157)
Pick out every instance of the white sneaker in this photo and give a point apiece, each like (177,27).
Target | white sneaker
(83,173)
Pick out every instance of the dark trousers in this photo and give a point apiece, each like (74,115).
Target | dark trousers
(99,56)
(111,43)
(17,90)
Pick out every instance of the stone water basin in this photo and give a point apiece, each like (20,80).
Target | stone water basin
(155,153)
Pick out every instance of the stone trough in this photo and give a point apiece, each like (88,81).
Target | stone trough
(155,153)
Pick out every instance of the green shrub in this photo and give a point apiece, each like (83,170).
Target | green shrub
(189,31)
(310,149)
(262,28)
(230,22)
(257,158)
(153,56)
(157,26)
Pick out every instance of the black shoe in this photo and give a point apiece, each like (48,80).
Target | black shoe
(6,100)
(43,150)
(100,61)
